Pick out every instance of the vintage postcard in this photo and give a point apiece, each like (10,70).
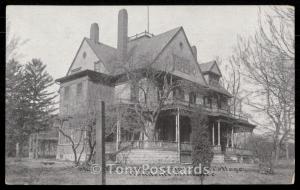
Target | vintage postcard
(105,95)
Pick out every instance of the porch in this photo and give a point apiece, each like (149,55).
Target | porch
(228,132)
(173,133)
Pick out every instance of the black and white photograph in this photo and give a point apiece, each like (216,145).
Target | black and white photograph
(150,95)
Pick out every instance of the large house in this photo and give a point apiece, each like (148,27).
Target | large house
(96,69)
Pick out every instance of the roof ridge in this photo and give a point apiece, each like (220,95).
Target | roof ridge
(174,29)
(100,43)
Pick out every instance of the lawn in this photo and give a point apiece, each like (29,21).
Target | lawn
(63,173)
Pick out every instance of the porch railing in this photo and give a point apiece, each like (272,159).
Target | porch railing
(172,146)
(208,108)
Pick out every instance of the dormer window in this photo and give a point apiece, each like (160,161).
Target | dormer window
(214,79)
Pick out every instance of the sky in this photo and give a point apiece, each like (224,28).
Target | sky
(54,33)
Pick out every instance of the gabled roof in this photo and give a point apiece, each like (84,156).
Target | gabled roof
(147,50)
(104,52)
(208,66)
(142,51)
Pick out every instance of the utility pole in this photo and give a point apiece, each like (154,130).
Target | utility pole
(100,143)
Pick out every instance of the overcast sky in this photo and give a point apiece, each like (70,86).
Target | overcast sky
(55,32)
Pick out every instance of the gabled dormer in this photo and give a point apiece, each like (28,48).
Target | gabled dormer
(211,73)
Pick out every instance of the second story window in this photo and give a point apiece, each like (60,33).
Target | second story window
(134,92)
(179,94)
(79,89)
(97,67)
(192,98)
(207,101)
(66,92)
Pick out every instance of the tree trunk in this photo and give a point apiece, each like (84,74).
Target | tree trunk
(287,151)
(17,150)
(34,146)
(277,152)
(150,133)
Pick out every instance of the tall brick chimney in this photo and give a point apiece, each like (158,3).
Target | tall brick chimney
(94,32)
(122,33)
(194,50)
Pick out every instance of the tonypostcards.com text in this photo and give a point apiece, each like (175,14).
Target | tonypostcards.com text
(148,170)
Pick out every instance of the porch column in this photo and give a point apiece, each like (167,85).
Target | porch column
(118,135)
(227,137)
(232,137)
(213,134)
(219,132)
(177,126)
(178,133)
(244,139)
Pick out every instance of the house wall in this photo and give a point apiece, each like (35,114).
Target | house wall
(73,103)
(91,92)
(97,91)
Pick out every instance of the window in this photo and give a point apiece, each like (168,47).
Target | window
(192,98)
(179,94)
(181,45)
(134,92)
(75,70)
(207,101)
(84,55)
(97,67)
(66,92)
(79,89)
(214,80)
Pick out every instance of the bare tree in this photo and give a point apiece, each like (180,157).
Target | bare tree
(231,81)
(69,128)
(268,61)
(151,89)
(13,43)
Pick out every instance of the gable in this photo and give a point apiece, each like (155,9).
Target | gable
(177,58)
(215,69)
(85,60)
(142,52)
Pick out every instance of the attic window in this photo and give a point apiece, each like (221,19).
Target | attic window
(84,55)
(181,45)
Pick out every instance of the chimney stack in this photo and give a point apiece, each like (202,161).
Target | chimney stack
(194,50)
(122,33)
(94,33)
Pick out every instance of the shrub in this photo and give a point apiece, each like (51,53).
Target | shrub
(201,150)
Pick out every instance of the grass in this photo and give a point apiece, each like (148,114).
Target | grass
(63,173)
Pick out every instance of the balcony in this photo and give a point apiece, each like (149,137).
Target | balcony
(171,102)
(223,111)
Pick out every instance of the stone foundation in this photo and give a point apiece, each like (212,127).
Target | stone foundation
(147,156)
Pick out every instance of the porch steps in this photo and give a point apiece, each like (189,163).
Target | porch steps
(230,159)
(218,158)
(148,156)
